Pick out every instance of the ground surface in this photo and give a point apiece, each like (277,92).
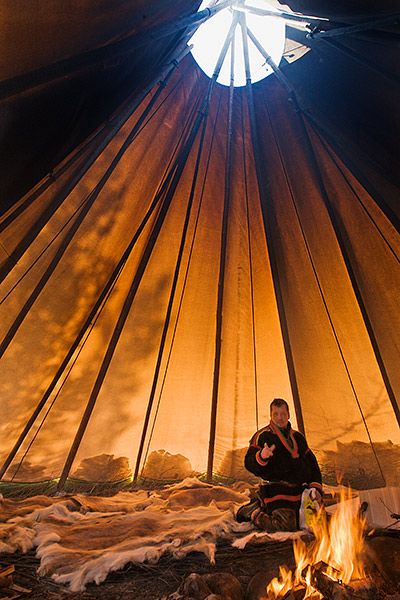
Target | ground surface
(151,582)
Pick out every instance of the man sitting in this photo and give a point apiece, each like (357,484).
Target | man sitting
(280,456)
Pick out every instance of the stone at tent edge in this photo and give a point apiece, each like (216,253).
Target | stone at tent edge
(161,465)
(211,586)
(383,553)
(256,589)
(104,467)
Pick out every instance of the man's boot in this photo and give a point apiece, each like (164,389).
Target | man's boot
(245,512)
(281,519)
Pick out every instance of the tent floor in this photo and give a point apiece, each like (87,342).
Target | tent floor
(151,582)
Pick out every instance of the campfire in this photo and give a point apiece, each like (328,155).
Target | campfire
(331,566)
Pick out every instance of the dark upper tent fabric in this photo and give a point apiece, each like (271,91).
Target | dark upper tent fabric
(163,279)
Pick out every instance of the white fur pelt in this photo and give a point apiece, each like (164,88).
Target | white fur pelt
(80,539)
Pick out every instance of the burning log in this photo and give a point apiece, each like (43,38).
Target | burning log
(335,589)
(294,594)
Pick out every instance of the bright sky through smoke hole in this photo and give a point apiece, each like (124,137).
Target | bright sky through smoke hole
(210,37)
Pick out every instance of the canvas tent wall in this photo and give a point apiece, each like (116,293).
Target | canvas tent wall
(169,278)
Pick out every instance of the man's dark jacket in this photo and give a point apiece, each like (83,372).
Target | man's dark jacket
(284,475)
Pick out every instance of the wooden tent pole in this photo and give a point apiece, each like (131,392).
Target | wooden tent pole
(341,239)
(266,208)
(113,127)
(229,42)
(86,325)
(174,180)
(339,232)
(379,21)
(269,60)
(253,323)
(280,14)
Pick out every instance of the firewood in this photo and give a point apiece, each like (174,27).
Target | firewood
(7,570)
(333,589)
(20,589)
(5,576)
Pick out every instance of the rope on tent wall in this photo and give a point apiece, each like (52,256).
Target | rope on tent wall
(109,284)
(253,324)
(171,299)
(179,309)
(321,292)
(115,125)
(2,246)
(262,182)
(358,197)
(169,191)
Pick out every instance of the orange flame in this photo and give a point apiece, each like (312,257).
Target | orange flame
(338,542)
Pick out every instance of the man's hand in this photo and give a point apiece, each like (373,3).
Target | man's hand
(267,451)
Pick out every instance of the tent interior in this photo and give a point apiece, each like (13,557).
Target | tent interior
(163,279)
(176,252)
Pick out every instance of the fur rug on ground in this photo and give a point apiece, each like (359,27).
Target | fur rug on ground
(80,539)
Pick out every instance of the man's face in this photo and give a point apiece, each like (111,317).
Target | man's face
(279,416)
